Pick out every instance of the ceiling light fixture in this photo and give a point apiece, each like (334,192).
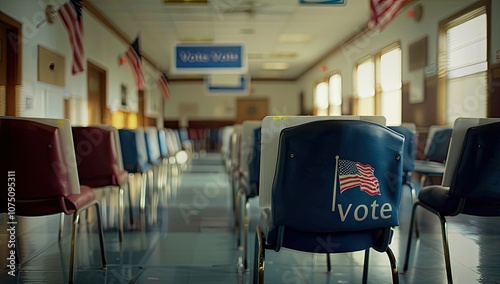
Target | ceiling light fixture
(275,65)
(295,38)
(185,1)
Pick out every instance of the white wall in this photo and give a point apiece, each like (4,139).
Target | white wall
(404,30)
(283,99)
(101,47)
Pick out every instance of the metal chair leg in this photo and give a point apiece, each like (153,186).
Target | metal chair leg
(142,202)
(76,217)
(246,208)
(101,234)
(410,233)
(120,213)
(365,265)
(241,200)
(394,266)
(446,249)
(259,257)
(61,225)
(414,199)
(130,208)
(328,263)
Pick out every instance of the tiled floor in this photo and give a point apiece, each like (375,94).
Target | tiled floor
(193,241)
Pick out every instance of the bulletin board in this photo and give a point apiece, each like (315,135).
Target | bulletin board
(51,67)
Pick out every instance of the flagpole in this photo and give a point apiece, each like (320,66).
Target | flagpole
(334,200)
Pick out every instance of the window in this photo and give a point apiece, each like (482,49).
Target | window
(365,86)
(466,66)
(467,48)
(335,86)
(328,96)
(366,79)
(390,86)
(387,99)
(321,98)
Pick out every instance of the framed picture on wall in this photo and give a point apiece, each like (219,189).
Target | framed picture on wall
(123,95)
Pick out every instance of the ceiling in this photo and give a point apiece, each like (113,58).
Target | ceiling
(273,31)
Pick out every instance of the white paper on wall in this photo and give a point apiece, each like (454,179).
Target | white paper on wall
(417,86)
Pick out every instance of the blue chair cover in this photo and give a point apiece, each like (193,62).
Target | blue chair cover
(162,141)
(134,153)
(336,189)
(409,147)
(368,188)
(438,150)
(152,147)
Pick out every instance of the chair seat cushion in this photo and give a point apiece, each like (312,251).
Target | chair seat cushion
(335,242)
(49,206)
(76,201)
(438,197)
(429,168)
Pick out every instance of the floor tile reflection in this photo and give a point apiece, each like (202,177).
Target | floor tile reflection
(192,240)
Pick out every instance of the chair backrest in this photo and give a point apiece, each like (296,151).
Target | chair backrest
(118,147)
(64,126)
(460,127)
(254,165)
(235,147)
(162,143)
(97,158)
(152,145)
(271,128)
(438,143)
(409,147)
(134,153)
(37,154)
(172,145)
(337,175)
(246,143)
(477,173)
(226,140)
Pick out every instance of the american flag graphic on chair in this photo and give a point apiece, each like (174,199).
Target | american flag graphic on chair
(354,174)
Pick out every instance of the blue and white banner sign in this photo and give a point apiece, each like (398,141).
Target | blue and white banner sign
(227,84)
(209,58)
(322,2)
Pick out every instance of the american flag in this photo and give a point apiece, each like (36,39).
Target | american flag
(354,174)
(383,11)
(135,59)
(71,16)
(163,85)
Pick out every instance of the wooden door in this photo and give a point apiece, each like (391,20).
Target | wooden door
(251,109)
(10,64)
(141,114)
(3,69)
(96,95)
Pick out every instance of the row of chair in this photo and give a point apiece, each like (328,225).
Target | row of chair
(57,167)
(296,217)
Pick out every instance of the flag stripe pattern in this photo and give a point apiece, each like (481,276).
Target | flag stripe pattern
(354,174)
(71,16)
(383,11)
(163,85)
(134,58)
